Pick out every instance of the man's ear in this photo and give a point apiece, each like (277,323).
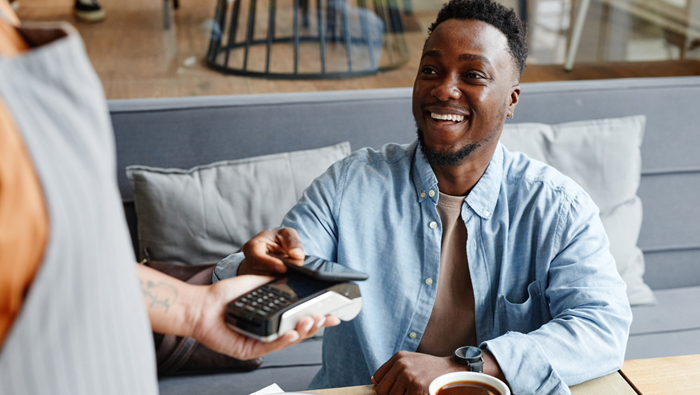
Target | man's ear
(513,98)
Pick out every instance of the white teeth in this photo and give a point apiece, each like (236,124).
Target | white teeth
(447,117)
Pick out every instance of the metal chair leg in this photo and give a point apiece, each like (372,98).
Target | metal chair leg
(321,35)
(249,34)
(296,36)
(576,34)
(331,19)
(367,32)
(233,29)
(395,16)
(270,33)
(522,10)
(304,5)
(345,25)
(166,15)
(407,7)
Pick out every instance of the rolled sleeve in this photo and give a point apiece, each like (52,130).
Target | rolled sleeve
(314,216)
(228,267)
(587,335)
(525,365)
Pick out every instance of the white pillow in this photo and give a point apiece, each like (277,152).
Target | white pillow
(604,157)
(203,214)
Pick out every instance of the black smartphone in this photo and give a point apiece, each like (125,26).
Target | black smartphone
(324,270)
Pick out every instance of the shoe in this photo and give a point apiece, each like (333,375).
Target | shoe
(14,4)
(89,11)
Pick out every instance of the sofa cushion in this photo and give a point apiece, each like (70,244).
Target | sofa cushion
(203,214)
(669,328)
(604,157)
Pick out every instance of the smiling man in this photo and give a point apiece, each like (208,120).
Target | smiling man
(479,258)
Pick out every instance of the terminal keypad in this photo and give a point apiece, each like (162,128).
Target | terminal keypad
(263,301)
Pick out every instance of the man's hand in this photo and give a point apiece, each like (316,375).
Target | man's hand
(197,311)
(410,373)
(262,252)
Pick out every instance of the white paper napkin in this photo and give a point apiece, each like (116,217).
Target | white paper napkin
(270,389)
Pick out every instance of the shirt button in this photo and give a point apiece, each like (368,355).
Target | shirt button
(422,195)
(429,281)
(431,193)
(486,213)
(433,225)
(412,335)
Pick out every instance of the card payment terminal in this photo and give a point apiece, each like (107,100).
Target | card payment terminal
(319,287)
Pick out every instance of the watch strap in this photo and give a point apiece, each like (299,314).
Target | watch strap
(476,366)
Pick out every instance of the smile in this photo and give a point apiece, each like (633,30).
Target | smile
(447,117)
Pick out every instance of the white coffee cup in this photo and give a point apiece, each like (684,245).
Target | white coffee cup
(454,377)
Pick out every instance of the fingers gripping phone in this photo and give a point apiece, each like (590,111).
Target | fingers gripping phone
(318,287)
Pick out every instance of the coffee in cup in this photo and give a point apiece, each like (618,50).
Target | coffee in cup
(467,383)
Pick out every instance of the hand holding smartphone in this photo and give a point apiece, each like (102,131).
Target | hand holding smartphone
(318,287)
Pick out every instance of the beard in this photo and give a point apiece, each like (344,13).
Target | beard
(444,158)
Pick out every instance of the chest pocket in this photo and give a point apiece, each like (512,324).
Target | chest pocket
(526,316)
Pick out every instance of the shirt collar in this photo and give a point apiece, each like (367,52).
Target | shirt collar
(482,198)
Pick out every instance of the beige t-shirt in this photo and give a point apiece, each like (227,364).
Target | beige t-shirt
(451,323)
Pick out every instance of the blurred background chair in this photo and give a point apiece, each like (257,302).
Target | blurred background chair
(292,39)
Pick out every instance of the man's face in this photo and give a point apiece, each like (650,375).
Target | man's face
(466,85)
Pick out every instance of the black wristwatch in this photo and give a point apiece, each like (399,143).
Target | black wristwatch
(472,357)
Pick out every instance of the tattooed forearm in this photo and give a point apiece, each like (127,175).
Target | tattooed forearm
(159,294)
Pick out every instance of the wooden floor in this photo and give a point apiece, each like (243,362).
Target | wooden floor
(136,58)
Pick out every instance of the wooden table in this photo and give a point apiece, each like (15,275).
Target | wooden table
(613,384)
(655,376)
(670,375)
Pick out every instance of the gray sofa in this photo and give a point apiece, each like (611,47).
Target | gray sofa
(185,132)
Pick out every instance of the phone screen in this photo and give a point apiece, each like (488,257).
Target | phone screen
(300,285)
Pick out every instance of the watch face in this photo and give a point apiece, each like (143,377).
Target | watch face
(470,353)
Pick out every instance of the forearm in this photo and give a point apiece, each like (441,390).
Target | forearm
(492,368)
(171,303)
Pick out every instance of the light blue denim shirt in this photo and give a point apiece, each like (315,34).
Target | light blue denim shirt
(550,304)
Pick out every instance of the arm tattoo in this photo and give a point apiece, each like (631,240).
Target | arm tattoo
(159,294)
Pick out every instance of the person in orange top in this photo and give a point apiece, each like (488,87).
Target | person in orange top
(194,311)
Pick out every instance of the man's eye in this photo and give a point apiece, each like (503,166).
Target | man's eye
(473,75)
(428,70)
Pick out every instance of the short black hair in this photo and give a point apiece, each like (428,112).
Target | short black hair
(503,18)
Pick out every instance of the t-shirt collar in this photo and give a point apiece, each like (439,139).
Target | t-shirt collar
(482,198)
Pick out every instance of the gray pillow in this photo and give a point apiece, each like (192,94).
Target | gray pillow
(604,157)
(203,214)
